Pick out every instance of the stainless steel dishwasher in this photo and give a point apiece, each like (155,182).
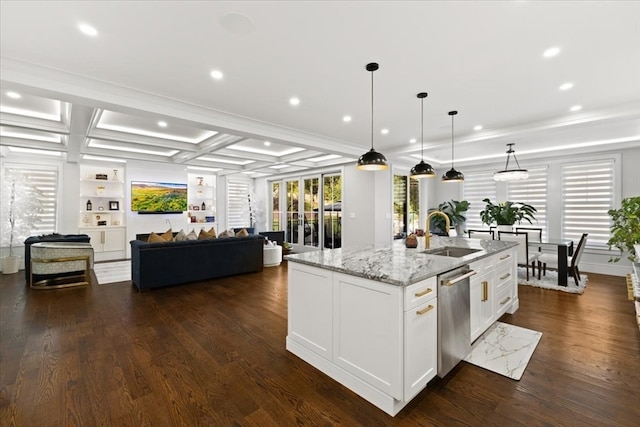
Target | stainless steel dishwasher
(454,329)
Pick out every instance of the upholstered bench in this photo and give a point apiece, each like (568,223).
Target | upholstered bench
(55,260)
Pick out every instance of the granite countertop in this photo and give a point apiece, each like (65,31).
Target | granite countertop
(396,264)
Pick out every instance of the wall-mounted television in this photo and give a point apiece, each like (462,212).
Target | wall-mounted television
(158,197)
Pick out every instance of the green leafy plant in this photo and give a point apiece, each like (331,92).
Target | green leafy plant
(454,209)
(507,213)
(625,227)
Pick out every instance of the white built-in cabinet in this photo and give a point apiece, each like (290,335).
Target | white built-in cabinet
(493,291)
(102,210)
(201,195)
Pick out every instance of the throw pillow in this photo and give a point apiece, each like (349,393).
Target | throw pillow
(192,235)
(242,233)
(180,236)
(154,238)
(205,235)
(224,233)
(212,231)
(167,235)
(231,233)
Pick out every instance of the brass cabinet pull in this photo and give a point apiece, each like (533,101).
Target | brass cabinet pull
(423,293)
(505,276)
(485,290)
(505,257)
(506,300)
(425,310)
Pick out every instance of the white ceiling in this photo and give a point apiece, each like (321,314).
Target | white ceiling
(151,62)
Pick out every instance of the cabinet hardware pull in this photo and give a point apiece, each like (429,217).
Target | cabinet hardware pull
(459,278)
(505,276)
(505,301)
(425,310)
(423,293)
(485,290)
(505,257)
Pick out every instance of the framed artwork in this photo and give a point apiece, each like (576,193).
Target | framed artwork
(114,205)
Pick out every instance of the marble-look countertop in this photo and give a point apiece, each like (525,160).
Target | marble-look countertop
(396,264)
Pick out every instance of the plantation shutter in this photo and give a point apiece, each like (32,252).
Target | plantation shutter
(532,191)
(587,195)
(238,203)
(478,186)
(39,184)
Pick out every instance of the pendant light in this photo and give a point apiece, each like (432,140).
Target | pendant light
(452,175)
(422,169)
(511,174)
(372,160)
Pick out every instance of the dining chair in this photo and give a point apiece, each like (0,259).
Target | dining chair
(572,261)
(535,236)
(471,232)
(524,258)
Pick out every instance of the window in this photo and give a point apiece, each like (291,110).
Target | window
(275,206)
(238,203)
(588,192)
(414,204)
(532,191)
(478,186)
(399,206)
(35,202)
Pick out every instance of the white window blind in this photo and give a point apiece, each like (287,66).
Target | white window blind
(35,203)
(532,191)
(478,186)
(238,213)
(587,194)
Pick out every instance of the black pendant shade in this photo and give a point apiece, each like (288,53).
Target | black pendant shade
(452,174)
(422,169)
(372,160)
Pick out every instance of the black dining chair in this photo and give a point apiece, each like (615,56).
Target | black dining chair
(481,233)
(572,261)
(524,258)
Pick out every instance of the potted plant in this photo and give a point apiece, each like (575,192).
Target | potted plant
(625,228)
(507,213)
(20,207)
(455,210)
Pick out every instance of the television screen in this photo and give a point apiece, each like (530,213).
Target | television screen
(158,197)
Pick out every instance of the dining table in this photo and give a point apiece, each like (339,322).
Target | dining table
(564,248)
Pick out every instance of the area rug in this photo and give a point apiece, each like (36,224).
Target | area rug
(504,349)
(550,281)
(112,272)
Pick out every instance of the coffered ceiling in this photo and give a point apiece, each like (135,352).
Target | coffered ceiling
(210,84)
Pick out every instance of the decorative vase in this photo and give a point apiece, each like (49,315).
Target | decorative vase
(460,229)
(411,241)
(10,264)
(115,175)
(505,227)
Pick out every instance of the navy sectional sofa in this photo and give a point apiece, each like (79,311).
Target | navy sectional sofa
(155,265)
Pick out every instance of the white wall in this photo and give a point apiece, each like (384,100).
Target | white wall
(358,207)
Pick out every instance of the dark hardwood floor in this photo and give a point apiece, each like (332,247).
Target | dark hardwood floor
(213,354)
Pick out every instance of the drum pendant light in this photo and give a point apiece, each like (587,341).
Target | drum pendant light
(372,160)
(422,169)
(511,174)
(452,175)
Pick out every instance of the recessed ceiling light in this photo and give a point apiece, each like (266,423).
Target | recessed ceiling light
(346,119)
(384,131)
(566,86)
(88,30)
(14,95)
(413,140)
(217,74)
(477,127)
(576,108)
(267,143)
(552,51)
(294,101)
(162,124)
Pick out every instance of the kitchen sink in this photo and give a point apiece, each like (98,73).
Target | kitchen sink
(451,251)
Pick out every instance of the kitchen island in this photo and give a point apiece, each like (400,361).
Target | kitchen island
(367,316)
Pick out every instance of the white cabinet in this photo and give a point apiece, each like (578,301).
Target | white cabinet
(102,210)
(482,290)
(506,283)
(367,331)
(420,337)
(107,242)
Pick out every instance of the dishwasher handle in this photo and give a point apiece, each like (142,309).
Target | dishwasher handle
(459,278)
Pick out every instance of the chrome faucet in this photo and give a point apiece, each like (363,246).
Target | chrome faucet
(447,226)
